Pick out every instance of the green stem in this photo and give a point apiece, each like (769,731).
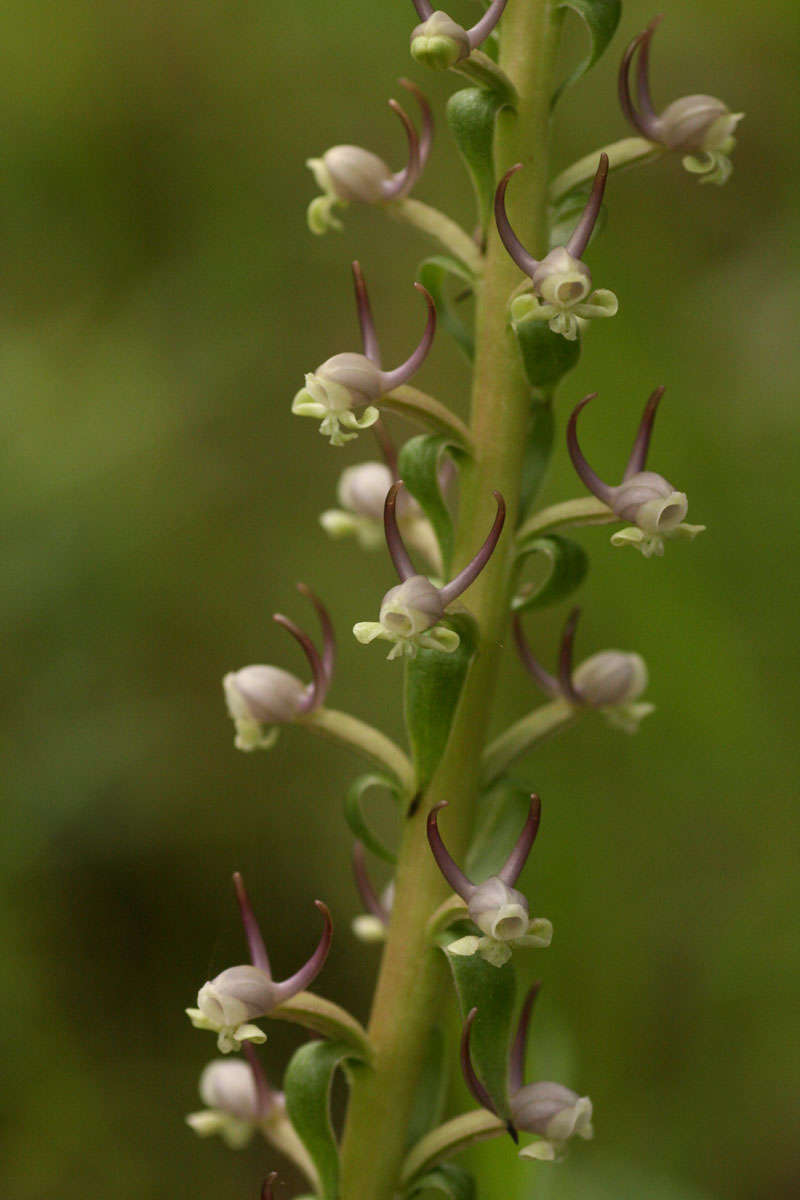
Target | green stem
(409,993)
(364,739)
(417,406)
(628,152)
(441,228)
(518,738)
(584,511)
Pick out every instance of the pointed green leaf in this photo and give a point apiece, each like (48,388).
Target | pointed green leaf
(538,449)
(559,567)
(546,356)
(433,685)
(433,274)
(502,812)
(601,18)
(355,818)
(307,1086)
(418,465)
(454,1181)
(431,1089)
(491,990)
(471,115)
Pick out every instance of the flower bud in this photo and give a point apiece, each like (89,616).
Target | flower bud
(699,123)
(610,677)
(351,173)
(553,1112)
(228,1084)
(650,502)
(362,490)
(499,911)
(440,42)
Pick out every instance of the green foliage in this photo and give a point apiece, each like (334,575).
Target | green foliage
(471,115)
(538,449)
(454,1181)
(433,685)
(355,818)
(561,566)
(432,1088)
(307,1086)
(418,464)
(433,274)
(601,18)
(491,990)
(502,811)
(546,356)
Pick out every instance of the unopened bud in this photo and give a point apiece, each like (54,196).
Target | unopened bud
(499,911)
(362,490)
(351,173)
(440,42)
(610,677)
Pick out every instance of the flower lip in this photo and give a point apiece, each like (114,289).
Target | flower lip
(228,1084)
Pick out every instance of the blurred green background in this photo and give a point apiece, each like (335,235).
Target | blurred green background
(161,300)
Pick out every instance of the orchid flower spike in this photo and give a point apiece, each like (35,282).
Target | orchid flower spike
(229,1003)
(370,926)
(347,173)
(350,382)
(238,1099)
(610,681)
(496,907)
(267,1186)
(562,283)
(261,698)
(361,492)
(643,497)
(440,42)
(411,611)
(701,127)
(551,1111)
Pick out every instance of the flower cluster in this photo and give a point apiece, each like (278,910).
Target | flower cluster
(424,620)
